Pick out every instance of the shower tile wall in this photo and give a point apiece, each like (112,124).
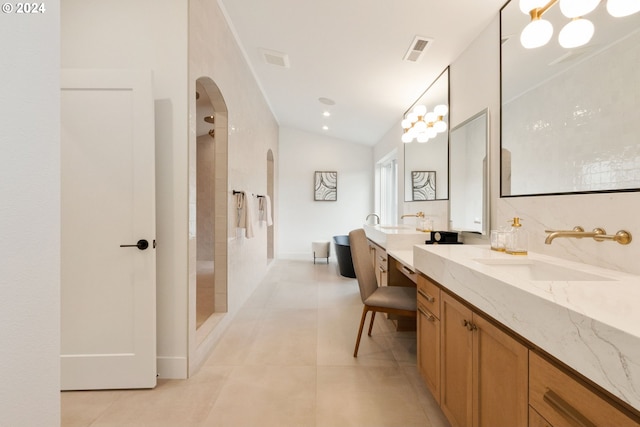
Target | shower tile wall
(205,190)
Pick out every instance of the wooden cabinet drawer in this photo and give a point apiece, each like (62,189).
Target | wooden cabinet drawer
(429,295)
(564,401)
(405,270)
(536,420)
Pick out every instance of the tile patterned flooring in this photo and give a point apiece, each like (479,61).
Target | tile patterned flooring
(286,360)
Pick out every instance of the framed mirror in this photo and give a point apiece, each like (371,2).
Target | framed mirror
(570,119)
(426,164)
(468,175)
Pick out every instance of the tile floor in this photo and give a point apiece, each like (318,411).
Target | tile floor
(286,360)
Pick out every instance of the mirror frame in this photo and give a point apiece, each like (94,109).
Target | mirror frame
(502,164)
(448,120)
(486,179)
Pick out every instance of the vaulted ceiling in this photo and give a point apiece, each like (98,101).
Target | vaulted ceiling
(307,54)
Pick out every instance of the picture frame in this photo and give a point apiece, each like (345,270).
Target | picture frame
(325,186)
(423,185)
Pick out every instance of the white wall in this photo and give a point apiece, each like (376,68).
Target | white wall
(475,85)
(30,218)
(304,220)
(252,132)
(137,34)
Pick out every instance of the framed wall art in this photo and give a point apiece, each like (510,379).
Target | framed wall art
(423,185)
(325,186)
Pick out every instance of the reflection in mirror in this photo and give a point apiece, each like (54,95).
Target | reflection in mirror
(570,117)
(426,171)
(469,183)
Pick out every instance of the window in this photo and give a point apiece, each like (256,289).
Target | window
(387,189)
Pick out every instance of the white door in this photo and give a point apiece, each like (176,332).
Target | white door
(108,301)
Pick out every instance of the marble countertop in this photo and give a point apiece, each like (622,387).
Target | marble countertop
(393,237)
(405,256)
(591,324)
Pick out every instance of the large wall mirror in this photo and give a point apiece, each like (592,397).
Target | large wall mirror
(469,182)
(570,117)
(426,164)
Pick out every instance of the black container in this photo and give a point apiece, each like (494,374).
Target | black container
(343,252)
(443,238)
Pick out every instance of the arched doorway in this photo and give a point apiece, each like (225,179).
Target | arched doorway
(207,216)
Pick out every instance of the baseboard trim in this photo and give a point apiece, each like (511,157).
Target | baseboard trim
(174,368)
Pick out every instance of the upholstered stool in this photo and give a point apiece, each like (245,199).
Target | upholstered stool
(320,250)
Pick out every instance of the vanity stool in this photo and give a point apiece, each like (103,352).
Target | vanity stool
(320,250)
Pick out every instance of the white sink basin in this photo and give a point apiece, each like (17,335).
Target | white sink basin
(539,270)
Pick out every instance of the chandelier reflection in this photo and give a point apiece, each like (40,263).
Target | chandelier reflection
(422,125)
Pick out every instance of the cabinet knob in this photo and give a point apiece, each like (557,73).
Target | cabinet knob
(469,325)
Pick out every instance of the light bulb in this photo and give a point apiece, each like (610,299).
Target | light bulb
(537,33)
(431,132)
(441,110)
(621,8)
(575,8)
(406,124)
(527,6)
(440,126)
(406,138)
(576,33)
(420,126)
(420,110)
(430,117)
(422,137)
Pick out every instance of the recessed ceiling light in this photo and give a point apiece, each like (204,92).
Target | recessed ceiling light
(326,114)
(325,127)
(327,101)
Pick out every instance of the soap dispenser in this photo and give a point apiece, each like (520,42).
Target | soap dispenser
(517,239)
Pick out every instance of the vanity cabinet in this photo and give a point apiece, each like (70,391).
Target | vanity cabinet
(380,262)
(560,400)
(428,334)
(484,381)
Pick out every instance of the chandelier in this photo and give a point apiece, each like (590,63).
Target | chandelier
(578,31)
(422,125)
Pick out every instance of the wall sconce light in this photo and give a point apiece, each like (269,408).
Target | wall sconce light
(578,31)
(423,126)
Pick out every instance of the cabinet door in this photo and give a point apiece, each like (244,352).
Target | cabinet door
(429,349)
(456,361)
(382,267)
(565,401)
(500,377)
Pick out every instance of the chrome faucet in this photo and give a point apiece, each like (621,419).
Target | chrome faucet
(623,237)
(374,215)
(417,215)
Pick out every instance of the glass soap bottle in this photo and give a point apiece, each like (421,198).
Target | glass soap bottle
(517,239)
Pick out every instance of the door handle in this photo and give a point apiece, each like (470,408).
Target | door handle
(142,245)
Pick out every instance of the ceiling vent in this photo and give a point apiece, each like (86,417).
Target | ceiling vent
(418,46)
(276,58)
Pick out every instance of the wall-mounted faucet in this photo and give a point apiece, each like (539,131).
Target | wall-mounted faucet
(417,215)
(373,215)
(623,237)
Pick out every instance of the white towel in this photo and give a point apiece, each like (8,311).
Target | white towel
(240,220)
(248,215)
(265,209)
